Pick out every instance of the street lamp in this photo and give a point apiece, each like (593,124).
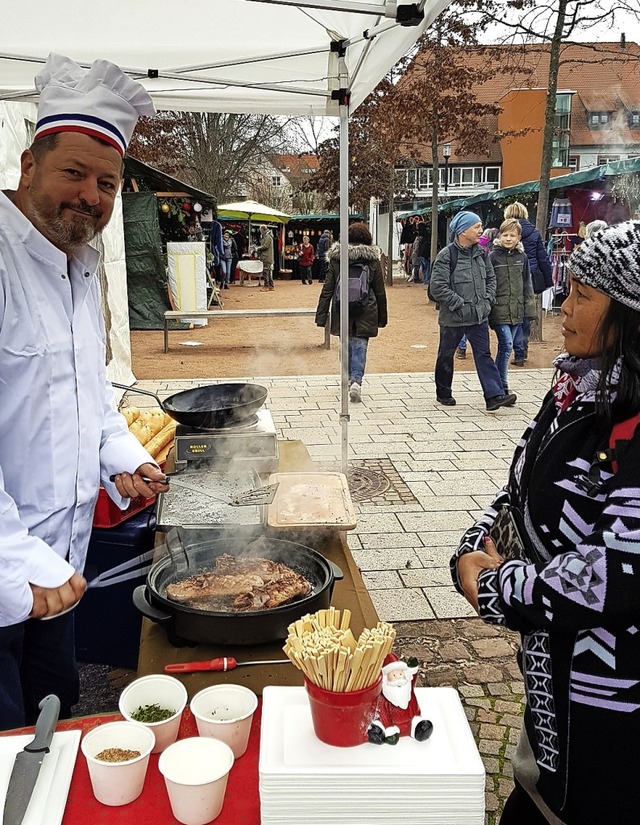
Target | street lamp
(446,154)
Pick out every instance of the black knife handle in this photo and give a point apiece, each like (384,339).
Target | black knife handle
(46,724)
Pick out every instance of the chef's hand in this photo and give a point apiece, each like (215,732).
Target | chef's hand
(470,565)
(133,486)
(49,601)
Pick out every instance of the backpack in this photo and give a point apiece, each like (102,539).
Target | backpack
(453,263)
(619,438)
(358,286)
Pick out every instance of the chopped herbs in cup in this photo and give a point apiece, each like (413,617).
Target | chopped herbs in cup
(151,713)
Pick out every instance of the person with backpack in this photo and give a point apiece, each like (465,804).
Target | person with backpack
(367,300)
(463,284)
(541,273)
(573,589)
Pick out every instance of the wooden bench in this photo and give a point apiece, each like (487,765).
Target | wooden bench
(221,314)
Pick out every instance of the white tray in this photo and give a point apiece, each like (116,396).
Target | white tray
(311,500)
(289,748)
(52,787)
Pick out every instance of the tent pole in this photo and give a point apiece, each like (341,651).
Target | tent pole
(344,267)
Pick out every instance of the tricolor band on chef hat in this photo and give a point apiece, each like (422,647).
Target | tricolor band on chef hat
(100,101)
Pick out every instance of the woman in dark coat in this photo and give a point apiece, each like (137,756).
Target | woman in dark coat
(364,321)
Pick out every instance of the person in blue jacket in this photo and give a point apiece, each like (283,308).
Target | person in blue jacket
(539,267)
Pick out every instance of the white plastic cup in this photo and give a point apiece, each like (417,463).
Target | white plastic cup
(195,772)
(225,712)
(156,689)
(118,783)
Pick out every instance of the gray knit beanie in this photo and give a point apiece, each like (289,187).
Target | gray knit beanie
(609,261)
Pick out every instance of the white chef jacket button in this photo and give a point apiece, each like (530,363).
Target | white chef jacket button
(63,276)
(87,274)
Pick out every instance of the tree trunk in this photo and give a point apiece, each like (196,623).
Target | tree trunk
(434,191)
(547,144)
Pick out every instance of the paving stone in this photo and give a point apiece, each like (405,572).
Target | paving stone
(481,673)
(386,559)
(491,764)
(401,604)
(492,648)
(512,721)
(471,691)
(426,577)
(392,541)
(378,523)
(435,521)
(447,603)
(503,706)
(489,731)
(490,746)
(454,651)
(499,689)
(478,701)
(382,579)
(489,716)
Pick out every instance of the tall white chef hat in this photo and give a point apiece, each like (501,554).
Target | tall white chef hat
(100,101)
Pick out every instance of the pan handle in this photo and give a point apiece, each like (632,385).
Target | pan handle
(141,392)
(142,603)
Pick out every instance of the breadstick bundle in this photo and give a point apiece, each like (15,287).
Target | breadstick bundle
(154,429)
(324,648)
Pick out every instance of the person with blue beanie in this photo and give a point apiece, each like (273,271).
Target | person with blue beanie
(463,284)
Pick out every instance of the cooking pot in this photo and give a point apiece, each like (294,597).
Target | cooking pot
(211,406)
(185,624)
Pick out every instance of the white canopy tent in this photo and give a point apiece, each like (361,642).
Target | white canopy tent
(283,57)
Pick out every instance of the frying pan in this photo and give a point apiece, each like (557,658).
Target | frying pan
(211,406)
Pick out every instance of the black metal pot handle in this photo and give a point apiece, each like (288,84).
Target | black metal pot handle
(338,575)
(141,602)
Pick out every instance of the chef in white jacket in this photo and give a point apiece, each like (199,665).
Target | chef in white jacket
(60,434)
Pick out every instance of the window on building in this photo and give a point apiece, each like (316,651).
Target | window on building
(599,119)
(634,120)
(466,176)
(602,159)
(276,180)
(560,150)
(411,178)
(563,111)
(492,176)
(574,163)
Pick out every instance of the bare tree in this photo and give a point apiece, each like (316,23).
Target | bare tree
(215,152)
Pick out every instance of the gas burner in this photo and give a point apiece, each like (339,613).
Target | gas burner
(252,442)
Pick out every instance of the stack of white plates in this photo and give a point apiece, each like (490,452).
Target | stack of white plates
(305,782)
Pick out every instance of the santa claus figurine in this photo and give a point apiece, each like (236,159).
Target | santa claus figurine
(398,712)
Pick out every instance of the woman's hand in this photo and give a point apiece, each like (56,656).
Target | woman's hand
(470,565)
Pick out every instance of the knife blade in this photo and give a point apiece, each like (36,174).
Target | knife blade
(29,761)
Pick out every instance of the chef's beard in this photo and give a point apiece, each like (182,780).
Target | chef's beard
(398,693)
(64,233)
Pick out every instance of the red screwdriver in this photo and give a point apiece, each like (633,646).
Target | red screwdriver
(224,663)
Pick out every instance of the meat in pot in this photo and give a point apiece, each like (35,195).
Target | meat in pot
(240,584)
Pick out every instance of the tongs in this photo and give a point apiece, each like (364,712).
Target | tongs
(256,497)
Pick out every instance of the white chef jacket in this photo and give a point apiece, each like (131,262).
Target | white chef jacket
(60,434)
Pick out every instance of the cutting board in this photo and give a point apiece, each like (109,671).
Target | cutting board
(311,500)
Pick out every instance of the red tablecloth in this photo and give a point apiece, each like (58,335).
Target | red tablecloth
(241,803)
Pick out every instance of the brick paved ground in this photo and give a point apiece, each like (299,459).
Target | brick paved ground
(443,466)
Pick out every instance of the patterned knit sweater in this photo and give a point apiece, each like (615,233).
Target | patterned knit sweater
(575,602)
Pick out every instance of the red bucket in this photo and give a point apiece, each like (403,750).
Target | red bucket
(342,718)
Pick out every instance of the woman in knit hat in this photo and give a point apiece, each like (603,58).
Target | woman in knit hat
(571,583)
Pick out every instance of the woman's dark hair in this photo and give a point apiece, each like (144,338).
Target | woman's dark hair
(359,233)
(619,339)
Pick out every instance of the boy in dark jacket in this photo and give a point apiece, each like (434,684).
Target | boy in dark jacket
(365,321)
(539,267)
(514,293)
